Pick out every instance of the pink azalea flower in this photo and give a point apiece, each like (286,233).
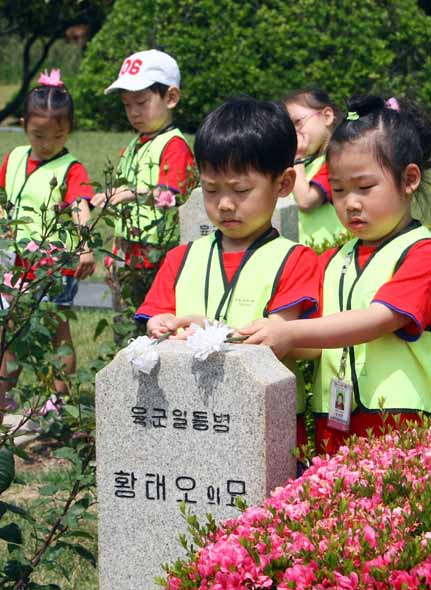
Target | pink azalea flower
(344,510)
(370,535)
(402,580)
(174,583)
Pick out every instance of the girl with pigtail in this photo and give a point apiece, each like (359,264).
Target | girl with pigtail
(40,179)
(373,341)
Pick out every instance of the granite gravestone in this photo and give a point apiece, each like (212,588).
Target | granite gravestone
(202,432)
(194,222)
(285,218)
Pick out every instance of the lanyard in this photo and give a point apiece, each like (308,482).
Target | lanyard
(346,264)
(226,299)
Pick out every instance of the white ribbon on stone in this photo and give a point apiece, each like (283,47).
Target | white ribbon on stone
(142,354)
(211,338)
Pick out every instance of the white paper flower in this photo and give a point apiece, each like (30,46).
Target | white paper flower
(205,341)
(142,354)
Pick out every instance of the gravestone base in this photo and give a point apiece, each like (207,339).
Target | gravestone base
(203,433)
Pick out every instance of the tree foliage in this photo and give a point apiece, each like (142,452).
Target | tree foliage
(39,24)
(261,48)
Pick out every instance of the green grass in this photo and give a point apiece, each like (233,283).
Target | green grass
(6,93)
(83,334)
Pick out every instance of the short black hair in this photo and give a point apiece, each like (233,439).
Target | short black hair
(245,133)
(399,132)
(159,88)
(49,101)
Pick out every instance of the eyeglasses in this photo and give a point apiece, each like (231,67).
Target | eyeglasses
(299,123)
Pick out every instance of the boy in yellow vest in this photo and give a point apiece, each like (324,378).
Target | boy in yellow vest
(157,162)
(245,151)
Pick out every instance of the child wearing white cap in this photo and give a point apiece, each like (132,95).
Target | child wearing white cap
(158,160)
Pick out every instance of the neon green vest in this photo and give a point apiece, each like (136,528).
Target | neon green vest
(202,287)
(140,165)
(34,191)
(322,223)
(389,367)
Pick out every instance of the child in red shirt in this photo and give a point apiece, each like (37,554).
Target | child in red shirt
(244,150)
(25,175)
(374,339)
(158,162)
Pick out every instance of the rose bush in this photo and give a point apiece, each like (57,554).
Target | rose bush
(358,520)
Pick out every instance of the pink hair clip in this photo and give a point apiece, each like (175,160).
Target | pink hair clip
(52,79)
(392,103)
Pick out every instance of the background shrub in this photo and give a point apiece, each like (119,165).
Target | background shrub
(260,48)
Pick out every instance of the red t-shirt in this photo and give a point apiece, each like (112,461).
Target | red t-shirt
(298,283)
(321,180)
(409,293)
(77,185)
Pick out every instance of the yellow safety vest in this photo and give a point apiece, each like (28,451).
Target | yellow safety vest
(322,223)
(140,166)
(202,287)
(34,191)
(389,367)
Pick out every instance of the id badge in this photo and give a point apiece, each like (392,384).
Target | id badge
(340,405)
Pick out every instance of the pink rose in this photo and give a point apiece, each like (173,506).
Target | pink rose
(165,199)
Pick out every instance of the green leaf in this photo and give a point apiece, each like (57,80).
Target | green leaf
(48,490)
(64,350)
(19,452)
(11,533)
(34,586)
(108,220)
(110,254)
(79,533)
(80,550)
(7,468)
(5,507)
(67,453)
(71,410)
(102,324)
(17,570)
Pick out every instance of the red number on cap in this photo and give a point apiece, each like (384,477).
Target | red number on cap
(135,67)
(125,66)
(131,67)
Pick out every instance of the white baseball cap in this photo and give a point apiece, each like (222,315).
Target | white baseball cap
(142,69)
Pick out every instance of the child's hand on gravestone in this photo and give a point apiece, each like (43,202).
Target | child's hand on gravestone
(273,333)
(157,326)
(185,325)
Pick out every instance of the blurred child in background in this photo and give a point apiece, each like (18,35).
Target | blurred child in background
(314,116)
